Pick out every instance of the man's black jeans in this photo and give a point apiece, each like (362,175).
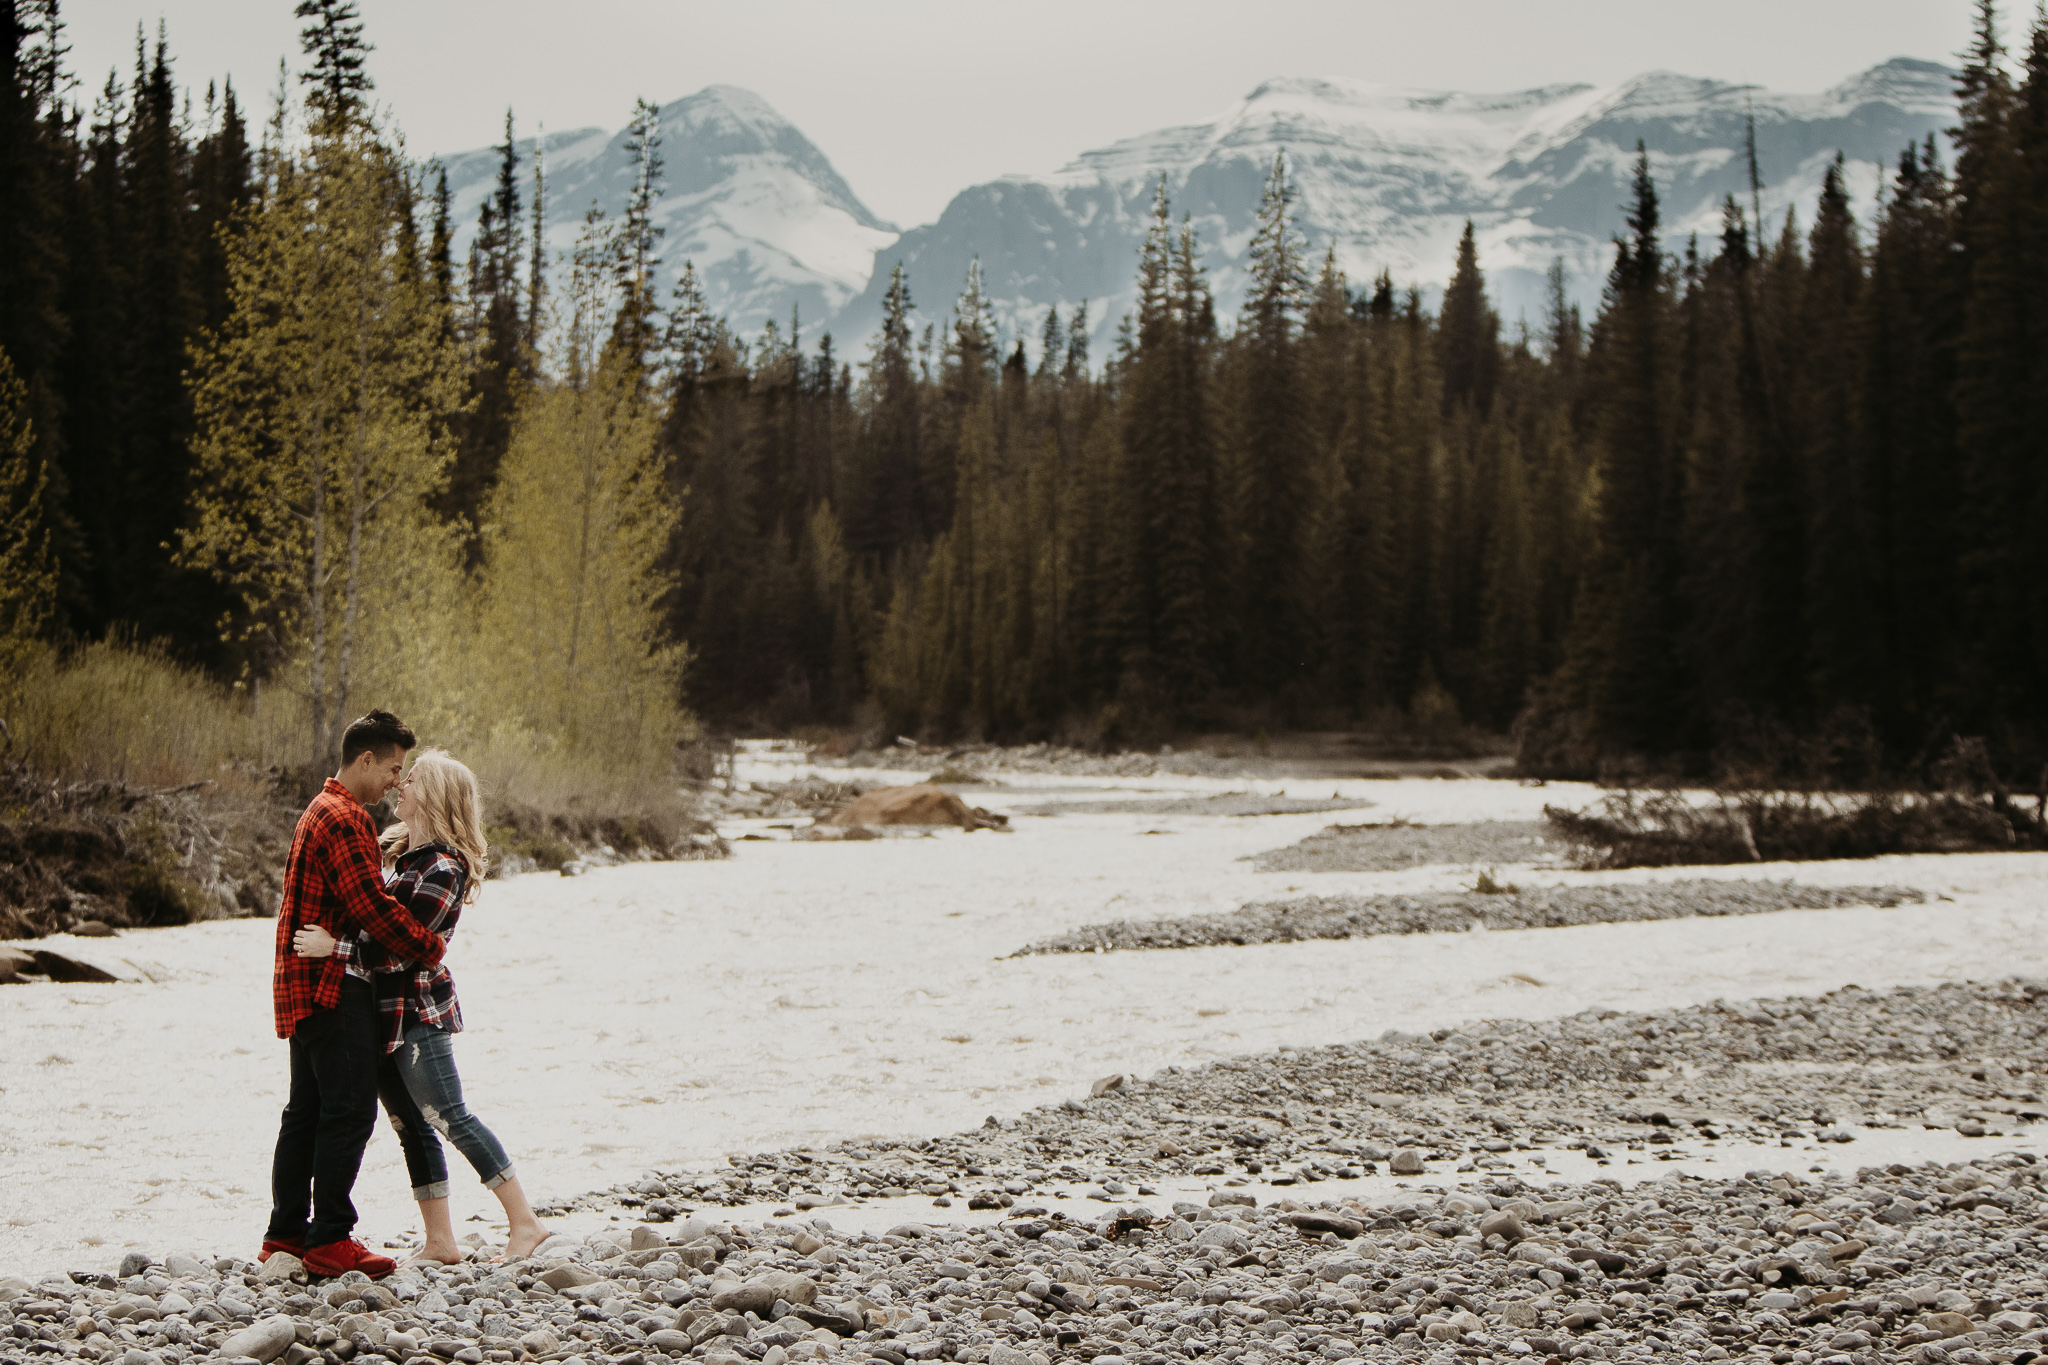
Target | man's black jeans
(327,1121)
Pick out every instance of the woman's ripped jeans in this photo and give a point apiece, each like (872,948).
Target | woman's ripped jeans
(423,1097)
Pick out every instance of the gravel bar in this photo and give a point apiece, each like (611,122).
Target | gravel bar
(1932,1264)
(1398,844)
(1443,912)
(1223,803)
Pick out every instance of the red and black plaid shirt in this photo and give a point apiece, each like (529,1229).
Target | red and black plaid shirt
(428,881)
(334,878)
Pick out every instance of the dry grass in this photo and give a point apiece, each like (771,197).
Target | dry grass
(111,713)
(116,732)
(546,807)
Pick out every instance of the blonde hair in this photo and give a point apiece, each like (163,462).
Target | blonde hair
(450,812)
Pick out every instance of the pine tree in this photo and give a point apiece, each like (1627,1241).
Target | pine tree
(160,316)
(502,357)
(92,373)
(1632,624)
(1995,436)
(221,190)
(333,38)
(1509,638)
(1914,308)
(1274,481)
(1166,508)
(1329,334)
(536,266)
(1468,335)
(36,175)
(1842,628)
(28,577)
(441,244)
(1075,366)
(638,237)
(886,501)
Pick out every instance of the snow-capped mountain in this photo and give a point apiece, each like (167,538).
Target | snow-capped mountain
(1388,177)
(768,222)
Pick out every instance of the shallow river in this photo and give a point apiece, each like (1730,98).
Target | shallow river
(665,1014)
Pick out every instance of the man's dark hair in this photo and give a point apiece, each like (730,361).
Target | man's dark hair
(379,732)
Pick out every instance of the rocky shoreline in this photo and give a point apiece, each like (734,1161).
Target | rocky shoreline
(1939,1265)
(1486,906)
(1390,845)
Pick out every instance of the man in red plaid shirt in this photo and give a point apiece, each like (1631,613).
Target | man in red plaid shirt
(334,877)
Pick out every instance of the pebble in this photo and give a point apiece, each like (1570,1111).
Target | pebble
(1938,1265)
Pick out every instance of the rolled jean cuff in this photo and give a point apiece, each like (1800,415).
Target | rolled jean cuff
(493,1182)
(437,1190)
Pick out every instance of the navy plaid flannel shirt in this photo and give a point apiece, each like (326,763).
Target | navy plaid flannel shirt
(429,882)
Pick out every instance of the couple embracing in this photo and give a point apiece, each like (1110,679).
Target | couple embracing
(370,1011)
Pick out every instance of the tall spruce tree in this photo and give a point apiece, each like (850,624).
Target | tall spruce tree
(1996,436)
(1274,479)
(887,506)
(1913,319)
(1842,629)
(1468,334)
(1166,496)
(1633,618)
(501,356)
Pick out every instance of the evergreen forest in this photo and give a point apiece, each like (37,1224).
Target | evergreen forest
(1779,507)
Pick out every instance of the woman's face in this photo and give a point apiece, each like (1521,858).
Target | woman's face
(409,804)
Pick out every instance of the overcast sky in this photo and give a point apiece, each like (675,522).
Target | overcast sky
(915,99)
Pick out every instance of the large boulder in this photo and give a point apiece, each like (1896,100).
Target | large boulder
(264,1341)
(758,1294)
(923,804)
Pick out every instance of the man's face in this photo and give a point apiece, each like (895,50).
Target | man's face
(378,773)
(390,771)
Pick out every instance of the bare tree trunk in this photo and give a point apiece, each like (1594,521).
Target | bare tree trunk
(589,462)
(316,596)
(358,505)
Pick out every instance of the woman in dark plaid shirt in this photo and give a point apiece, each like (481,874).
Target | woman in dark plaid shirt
(434,865)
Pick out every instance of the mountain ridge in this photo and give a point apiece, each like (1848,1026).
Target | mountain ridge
(768,221)
(1388,175)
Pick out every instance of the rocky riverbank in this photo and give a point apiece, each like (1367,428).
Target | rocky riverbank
(1488,906)
(1390,845)
(98,856)
(1937,1264)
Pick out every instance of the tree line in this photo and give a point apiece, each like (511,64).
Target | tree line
(1774,509)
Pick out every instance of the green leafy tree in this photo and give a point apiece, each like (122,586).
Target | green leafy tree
(323,407)
(574,541)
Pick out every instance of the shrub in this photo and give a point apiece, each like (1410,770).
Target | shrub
(1669,828)
(113,713)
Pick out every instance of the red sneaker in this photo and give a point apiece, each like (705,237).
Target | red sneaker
(295,1246)
(338,1258)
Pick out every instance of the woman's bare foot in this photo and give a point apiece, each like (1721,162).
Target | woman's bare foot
(522,1241)
(449,1254)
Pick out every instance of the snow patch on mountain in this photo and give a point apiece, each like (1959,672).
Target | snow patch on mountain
(768,222)
(1389,175)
